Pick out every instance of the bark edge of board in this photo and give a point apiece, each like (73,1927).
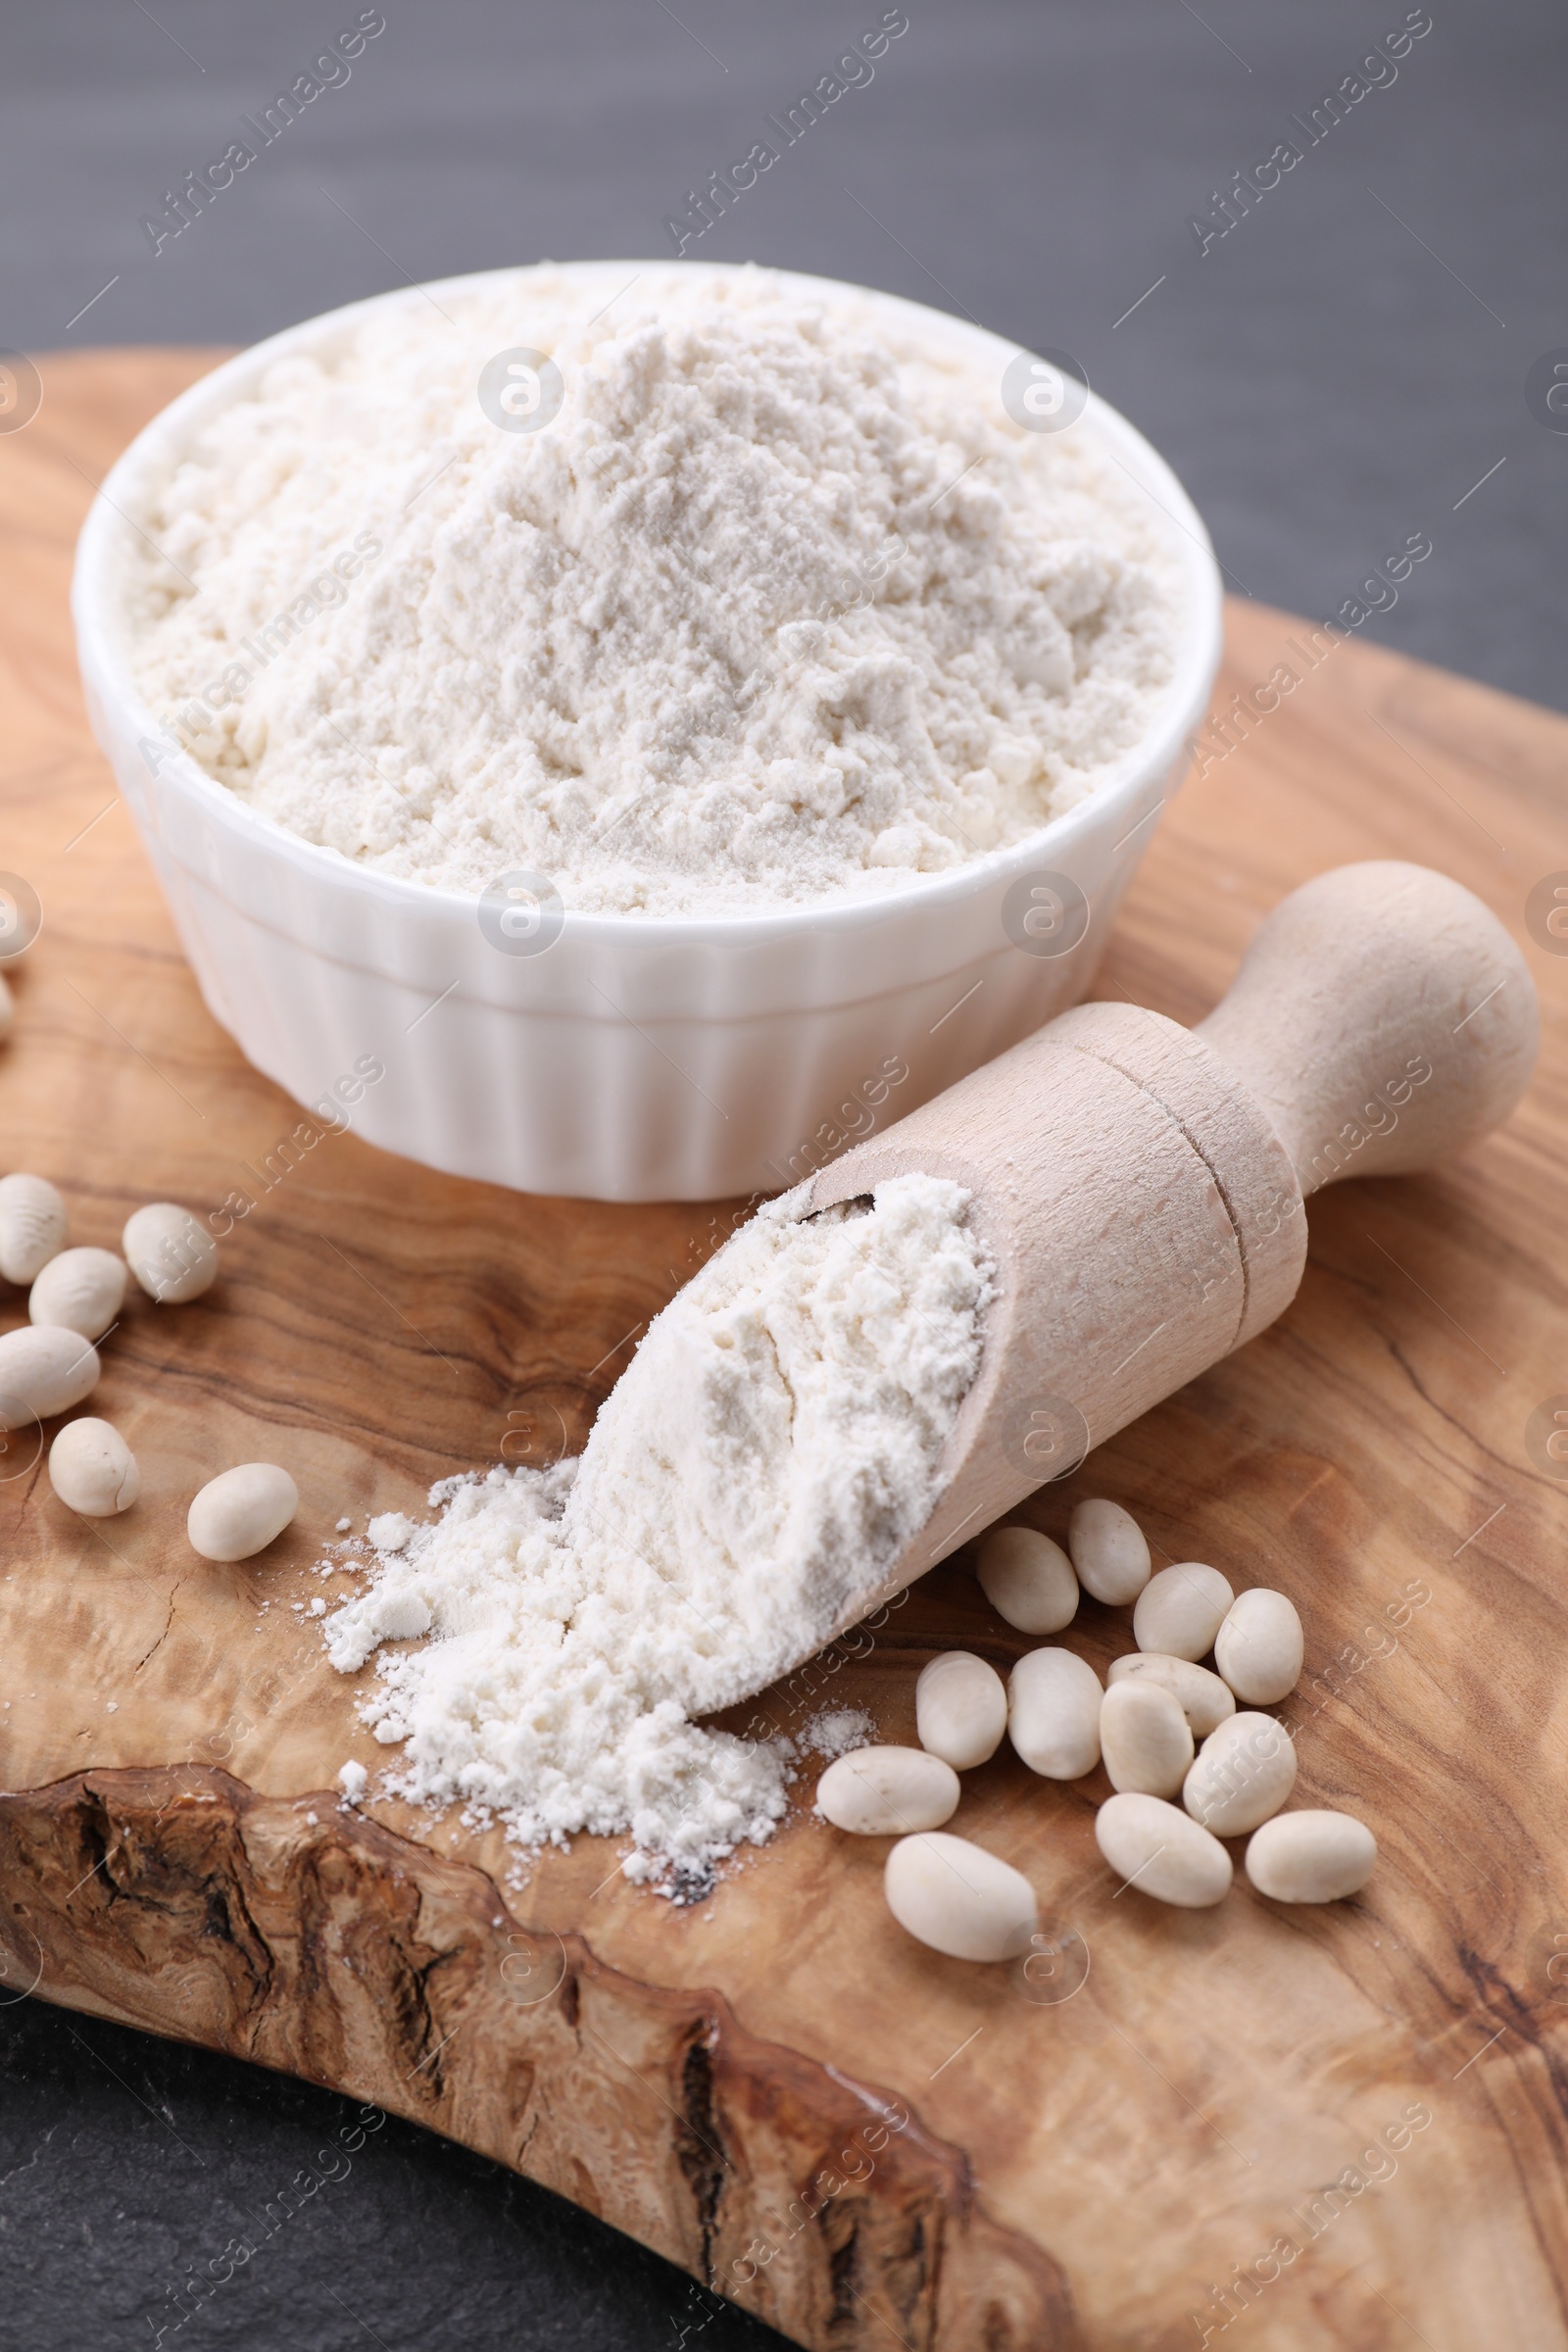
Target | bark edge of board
(180,1902)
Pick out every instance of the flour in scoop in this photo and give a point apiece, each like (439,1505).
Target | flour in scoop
(778,606)
(770,1449)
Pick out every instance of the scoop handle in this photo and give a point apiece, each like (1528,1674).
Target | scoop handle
(1383,1017)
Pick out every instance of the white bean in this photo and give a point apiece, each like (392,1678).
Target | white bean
(93,1470)
(1159,1851)
(1028,1579)
(1259,1647)
(960,1709)
(1180,1610)
(1201,1696)
(172,1255)
(1243,1773)
(1145,1742)
(1107,1550)
(44,1370)
(1053,1700)
(32,1226)
(887,1791)
(241,1510)
(960,1899)
(81,1289)
(1311,1857)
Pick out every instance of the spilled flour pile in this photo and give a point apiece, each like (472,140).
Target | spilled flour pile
(779,605)
(772,1447)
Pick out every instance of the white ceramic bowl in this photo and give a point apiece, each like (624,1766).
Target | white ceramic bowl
(638,1059)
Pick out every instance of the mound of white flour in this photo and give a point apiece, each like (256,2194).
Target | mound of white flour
(772,1445)
(775,609)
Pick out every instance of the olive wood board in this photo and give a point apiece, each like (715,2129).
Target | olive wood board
(1341,2125)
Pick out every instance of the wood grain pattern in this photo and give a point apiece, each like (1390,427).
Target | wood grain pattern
(1086,2170)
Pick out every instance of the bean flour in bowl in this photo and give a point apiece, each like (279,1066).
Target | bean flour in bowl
(775,604)
(771,1448)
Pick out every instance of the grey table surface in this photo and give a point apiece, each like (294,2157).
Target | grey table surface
(1363,354)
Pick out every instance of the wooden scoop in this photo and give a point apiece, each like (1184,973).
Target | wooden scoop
(1141,1186)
